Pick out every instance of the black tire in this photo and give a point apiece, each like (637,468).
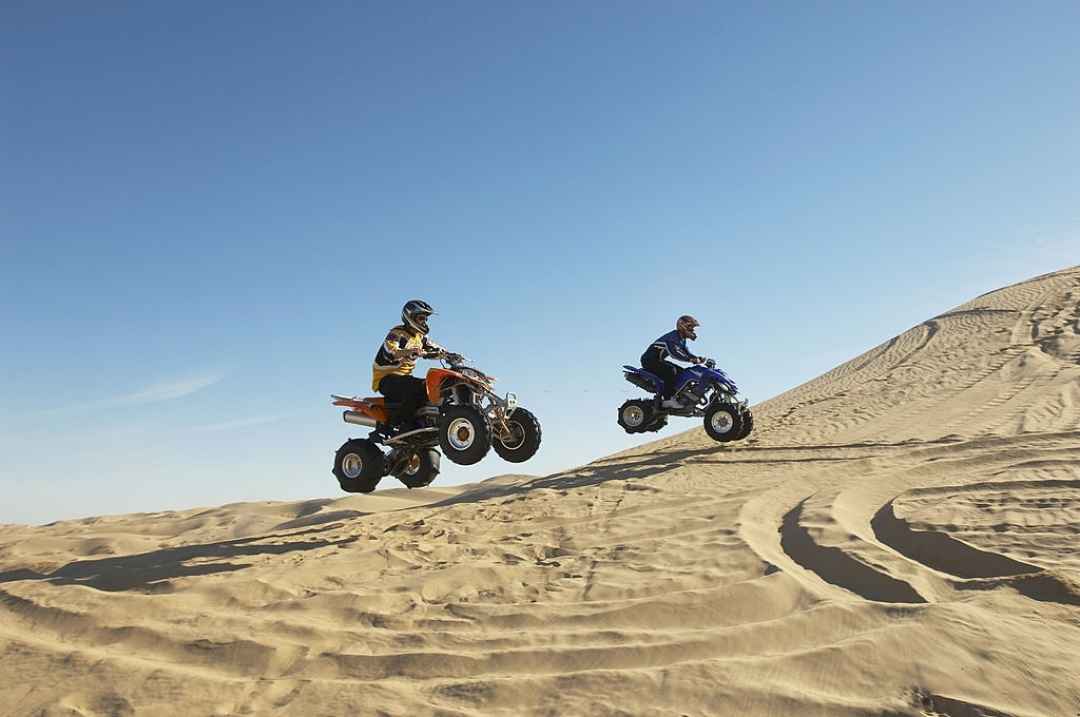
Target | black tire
(747,424)
(636,415)
(658,423)
(421,469)
(359,465)
(471,437)
(526,437)
(723,421)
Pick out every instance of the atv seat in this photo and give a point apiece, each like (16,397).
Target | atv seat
(643,379)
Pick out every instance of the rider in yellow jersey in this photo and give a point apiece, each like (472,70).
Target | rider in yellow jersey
(396,359)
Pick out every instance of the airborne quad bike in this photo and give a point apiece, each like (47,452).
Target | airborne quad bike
(464,417)
(701,390)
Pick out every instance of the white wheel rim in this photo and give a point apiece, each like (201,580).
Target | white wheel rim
(516,429)
(413,466)
(722,422)
(461,434)
(352,465)
(633,416)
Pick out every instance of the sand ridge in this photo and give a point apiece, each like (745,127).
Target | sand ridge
(897,538)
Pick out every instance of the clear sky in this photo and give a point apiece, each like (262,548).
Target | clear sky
(211,213)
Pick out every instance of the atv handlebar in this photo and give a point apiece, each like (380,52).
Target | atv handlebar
(452,359)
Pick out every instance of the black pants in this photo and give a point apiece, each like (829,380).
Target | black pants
(409,392)
(667,371)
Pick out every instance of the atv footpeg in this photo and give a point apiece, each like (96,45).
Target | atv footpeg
(410,434)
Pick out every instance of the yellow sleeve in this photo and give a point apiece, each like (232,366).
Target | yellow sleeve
(397,345)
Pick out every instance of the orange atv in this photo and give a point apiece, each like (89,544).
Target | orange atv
(464,417)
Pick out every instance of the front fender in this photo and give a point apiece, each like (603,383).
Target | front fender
(437,378)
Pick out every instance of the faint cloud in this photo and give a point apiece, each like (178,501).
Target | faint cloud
(168,390)
(241,423)
(154,393)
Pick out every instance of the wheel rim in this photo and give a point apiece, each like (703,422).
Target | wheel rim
(461,434)
(722,422)
(633,416)
(517,431)
(352,465)
(412,466)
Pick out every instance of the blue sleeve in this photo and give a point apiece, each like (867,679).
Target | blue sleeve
(676,346)
(678,349)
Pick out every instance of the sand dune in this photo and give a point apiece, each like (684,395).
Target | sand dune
(899,537)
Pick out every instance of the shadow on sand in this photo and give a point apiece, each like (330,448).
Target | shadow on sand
(149,571)
(593,474)
(635,467)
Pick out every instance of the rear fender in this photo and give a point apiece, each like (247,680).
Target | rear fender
(644,381)
(371,407)
(379,413)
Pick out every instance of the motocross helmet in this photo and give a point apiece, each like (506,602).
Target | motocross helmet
(686,325)
(415,315)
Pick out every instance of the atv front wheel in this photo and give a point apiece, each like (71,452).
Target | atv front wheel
(636,415)
(419,468)
(723,422)
(524,439)
(464,434)
(359,466)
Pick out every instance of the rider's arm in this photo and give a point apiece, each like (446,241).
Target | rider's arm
(396,346)
(432,350)
(678,350)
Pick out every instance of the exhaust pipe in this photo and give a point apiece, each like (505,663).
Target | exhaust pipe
(358,419)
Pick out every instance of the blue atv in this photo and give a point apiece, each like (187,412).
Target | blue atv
(699,391)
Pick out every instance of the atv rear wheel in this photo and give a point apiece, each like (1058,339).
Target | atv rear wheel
(464,434)
(524,439)
(359,466)
(723,422)
(636,415)
(658,423)
(419,468)
(747,424)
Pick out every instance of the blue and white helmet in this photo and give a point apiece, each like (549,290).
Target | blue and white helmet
(686,325)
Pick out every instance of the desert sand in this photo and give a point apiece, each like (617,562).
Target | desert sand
(900,536)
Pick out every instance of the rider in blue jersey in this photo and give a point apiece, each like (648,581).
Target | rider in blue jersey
(671,344)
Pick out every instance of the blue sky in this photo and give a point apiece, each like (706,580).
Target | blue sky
(209,216)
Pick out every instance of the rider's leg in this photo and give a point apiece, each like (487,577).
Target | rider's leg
(409,392)
(667,371)
(670,374)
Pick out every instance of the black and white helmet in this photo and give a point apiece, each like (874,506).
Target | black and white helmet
(415,315)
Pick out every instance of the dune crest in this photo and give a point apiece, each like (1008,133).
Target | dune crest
(898,538)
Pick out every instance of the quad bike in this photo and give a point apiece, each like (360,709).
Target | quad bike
(700,390)
(463,417)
